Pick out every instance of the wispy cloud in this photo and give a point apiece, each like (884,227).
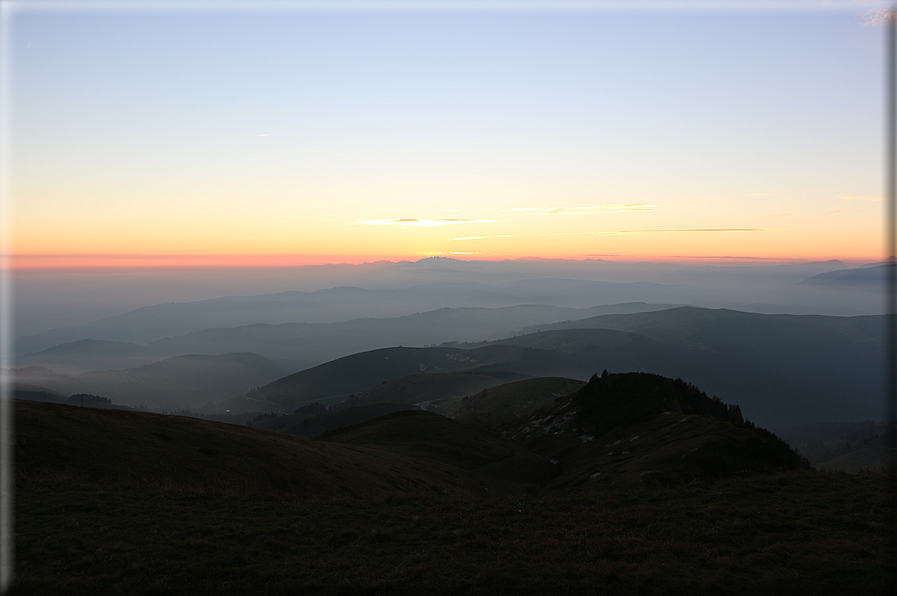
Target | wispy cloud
(471,238)
(599,209)
(422,223)
(859,198)
(702,230)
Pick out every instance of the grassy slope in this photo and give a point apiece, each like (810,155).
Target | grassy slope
(499,464)
(509,401)
(432,387)
(136,503)
(120,448)
(800,533)
(305,425)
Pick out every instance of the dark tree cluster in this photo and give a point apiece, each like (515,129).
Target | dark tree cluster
(89,401)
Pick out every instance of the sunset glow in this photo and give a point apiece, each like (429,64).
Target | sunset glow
(282,137)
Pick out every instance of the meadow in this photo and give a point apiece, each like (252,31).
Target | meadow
(793,533)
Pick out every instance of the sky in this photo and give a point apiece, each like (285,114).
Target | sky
(215,133)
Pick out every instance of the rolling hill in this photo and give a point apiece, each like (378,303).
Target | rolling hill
(304,423)
(113,448)
(493,406)
(637,429)
(431,390)
(786,369)
(672,433)
(338,380)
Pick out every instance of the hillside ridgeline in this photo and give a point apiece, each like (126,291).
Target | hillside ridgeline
(638,429)
(672,432)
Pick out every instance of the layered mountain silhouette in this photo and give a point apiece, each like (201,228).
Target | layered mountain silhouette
(873,275)
(786,369)
(304,341)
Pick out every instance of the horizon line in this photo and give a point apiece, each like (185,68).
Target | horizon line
(20,262)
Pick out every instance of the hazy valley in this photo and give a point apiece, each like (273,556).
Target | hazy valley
(486,323)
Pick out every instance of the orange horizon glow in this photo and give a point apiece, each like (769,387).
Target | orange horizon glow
(113,261)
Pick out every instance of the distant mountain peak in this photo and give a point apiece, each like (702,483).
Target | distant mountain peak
(438,259)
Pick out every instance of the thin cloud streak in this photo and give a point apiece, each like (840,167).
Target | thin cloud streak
(717,230)
(422,223)
(600,209)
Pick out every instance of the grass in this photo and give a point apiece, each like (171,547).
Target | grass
(117,502)
(437,442)
(796,533)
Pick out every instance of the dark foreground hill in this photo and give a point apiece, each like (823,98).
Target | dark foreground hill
(800,533)
(499,463)
(115,448)
(111,502)
(314,419)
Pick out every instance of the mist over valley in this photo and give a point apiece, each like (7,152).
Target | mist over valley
(429,334)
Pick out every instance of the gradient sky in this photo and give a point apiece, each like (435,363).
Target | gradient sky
(362,134)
